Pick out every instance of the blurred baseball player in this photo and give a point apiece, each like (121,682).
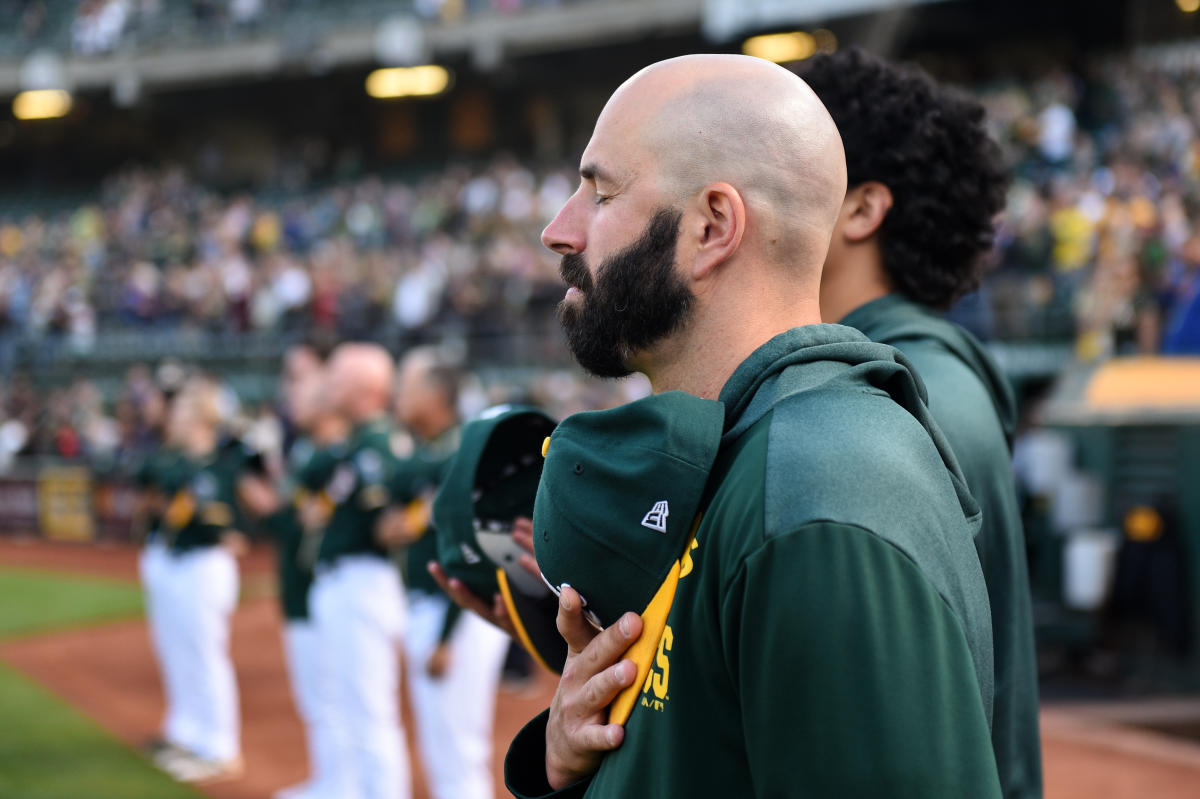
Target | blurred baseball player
(157,479)
(453,659)
(925,183)
(356,597)
(829,635)
(199,525)
(285,505)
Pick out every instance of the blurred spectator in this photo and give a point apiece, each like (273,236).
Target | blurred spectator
(1182,301)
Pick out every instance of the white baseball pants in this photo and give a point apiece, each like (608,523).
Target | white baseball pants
(359,610)
(154,569)
(454,714)
(309,674)
(203,590)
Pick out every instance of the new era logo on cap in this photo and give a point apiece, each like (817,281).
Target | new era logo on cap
(656,517)
(469,554)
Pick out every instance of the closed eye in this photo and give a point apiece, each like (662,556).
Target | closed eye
(601,199)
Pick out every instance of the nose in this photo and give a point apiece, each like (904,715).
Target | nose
(565,233)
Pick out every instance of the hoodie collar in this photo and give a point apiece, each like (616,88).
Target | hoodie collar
(895,318)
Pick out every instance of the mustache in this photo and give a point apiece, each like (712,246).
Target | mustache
(574,272)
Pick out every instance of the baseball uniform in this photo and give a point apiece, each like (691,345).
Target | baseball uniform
(972,403)
(359,609)
(454,712)
(829,635)
(308,468)
(160,473)
(203,579)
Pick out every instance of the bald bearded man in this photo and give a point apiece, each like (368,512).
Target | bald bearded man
(829,635)
(356,597)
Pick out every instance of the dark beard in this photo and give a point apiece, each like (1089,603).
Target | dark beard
(636,300)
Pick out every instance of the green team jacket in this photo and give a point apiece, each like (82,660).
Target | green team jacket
(973,404)
(832,637)
(359,487)
(204,503)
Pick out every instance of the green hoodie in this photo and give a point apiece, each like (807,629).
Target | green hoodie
(830,632)
(973,404)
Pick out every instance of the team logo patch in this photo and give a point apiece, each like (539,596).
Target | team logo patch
(370,465)
(470,555)
(656,517)
(204,486)
(342,484)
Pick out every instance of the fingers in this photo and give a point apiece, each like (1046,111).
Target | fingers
(530,565)
(523,535)
(574,629)
(457,591)
(599,738)
(500,615)
(496,612)
(610,645)
(601,690)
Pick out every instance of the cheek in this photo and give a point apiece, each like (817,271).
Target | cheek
(609,232)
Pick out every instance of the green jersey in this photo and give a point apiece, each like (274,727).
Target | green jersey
(829,634)
(204,503)
(161,472)
(973,405)
(419,482)
(358,488)
(307,470)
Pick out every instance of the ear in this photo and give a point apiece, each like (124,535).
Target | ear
(720,224)
(864,209)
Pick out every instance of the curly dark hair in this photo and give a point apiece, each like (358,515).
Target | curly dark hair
(928,145)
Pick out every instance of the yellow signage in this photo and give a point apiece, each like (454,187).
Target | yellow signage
(65,503)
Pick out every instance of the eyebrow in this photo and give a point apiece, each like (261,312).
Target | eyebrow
(595,174)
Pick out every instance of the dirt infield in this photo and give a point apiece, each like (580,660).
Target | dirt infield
(108,673)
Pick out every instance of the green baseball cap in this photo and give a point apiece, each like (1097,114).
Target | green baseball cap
(491,481)
(618,507)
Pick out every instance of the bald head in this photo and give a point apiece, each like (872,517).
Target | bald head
(360,381)
(427,393)
(710,190)
(704,119)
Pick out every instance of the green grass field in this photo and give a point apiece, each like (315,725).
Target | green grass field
(48,750)
(39,601)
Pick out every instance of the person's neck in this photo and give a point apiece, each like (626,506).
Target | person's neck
(701,359)
(200,444)
(435,425)
(361,420)
(849,285)
(328,430)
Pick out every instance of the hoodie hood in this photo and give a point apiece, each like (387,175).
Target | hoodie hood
(833,355)
(895,318)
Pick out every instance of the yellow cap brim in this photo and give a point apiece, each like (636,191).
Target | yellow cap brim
(549,649)
(654,622)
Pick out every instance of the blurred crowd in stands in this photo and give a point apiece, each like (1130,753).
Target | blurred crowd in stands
(1100,242)
(1101,237)
(158,251)
(1099,249)
(99,27)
